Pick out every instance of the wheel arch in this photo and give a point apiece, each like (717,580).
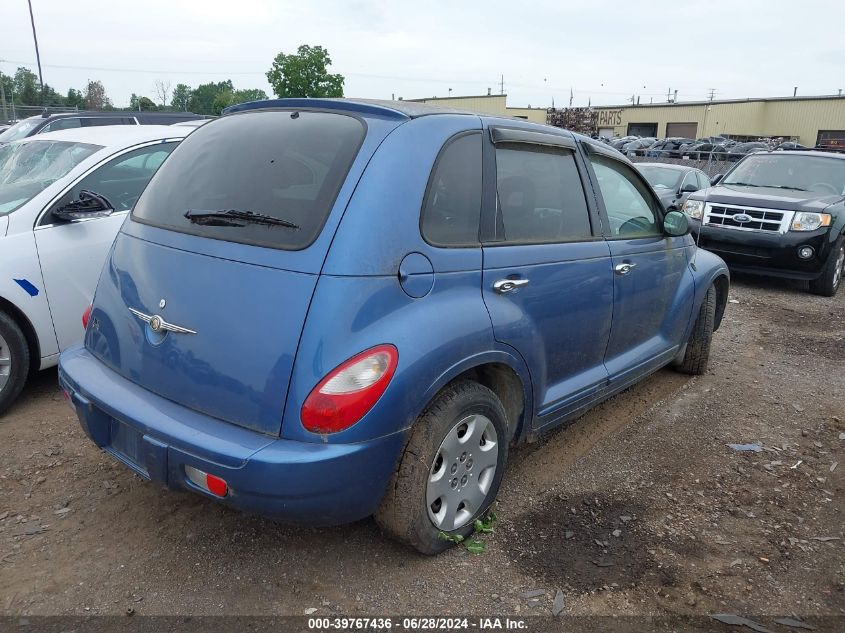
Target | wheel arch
(28,330)
(502,373)
(722,285)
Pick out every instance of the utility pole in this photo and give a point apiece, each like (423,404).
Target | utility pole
(502,86)
(712,92)
(669,96)
(5,116)
(37,54)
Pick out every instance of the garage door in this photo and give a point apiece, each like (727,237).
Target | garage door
(642,129)
(684,130)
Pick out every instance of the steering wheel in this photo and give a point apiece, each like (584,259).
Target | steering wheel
(825,186)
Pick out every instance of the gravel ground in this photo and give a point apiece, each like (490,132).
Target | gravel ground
(639,507)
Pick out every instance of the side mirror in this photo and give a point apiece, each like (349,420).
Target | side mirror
(675,224)
(715,179)
(689,188)
(89,205)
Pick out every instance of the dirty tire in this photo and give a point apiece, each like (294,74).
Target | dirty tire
(403,513)
(698,345)
(829,281)
(16,349)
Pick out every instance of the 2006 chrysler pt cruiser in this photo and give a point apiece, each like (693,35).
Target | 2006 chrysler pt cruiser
(321,310)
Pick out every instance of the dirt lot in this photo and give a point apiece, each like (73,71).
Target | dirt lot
(639,507)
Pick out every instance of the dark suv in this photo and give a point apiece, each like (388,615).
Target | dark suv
(53,122)
(780,214)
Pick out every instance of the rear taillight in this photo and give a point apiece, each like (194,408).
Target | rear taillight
(350,390)
(86,316)
(208,482)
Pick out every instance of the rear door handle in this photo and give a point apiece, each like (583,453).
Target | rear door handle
(624,269)
(509,285)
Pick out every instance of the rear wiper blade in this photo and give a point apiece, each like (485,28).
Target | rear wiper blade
(233,217)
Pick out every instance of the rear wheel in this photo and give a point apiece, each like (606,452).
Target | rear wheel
(831,278)
(697,350)
(450,471)
(14,361)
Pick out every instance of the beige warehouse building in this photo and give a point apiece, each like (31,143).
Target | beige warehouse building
(811,121)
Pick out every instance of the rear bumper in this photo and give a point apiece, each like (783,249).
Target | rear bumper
(303,482)
(766,253)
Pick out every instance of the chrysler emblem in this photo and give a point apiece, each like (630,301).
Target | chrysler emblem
(742,218)
(158,324)
(155,323)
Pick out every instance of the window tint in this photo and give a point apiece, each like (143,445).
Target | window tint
(703,181)
(123,179)
(61,124)
(289,165)
(629,206)
(107,120)
(540,197)
(453,200)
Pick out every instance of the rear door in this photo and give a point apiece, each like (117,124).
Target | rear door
(72,254)
(653,286)
(547,279)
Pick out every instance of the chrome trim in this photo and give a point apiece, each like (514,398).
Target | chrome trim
(783,224)
(509,285)
(157,324)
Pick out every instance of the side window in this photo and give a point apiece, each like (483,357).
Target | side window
(452,204)
(703,181)
(61,124)
(690,179)
(630,208)
(107,120)
(540,196)
(122,179)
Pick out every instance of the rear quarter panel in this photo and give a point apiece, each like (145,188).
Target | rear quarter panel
(359,302)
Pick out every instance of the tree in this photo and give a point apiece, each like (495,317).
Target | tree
(162,90)
(181,97)
(95,96)
(25,85)
(75,98)
(304,74)
(141,104)
(249,94)
(222,100)
(203,96)
(49,97)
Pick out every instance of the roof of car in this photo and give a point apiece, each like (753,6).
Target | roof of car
(107,135)
(668,166)
(802,152)
(108,113)
(399,109)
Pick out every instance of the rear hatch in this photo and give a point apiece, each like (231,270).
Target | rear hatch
(207,310)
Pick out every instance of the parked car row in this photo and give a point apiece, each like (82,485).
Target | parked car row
(253,339)
(708,148)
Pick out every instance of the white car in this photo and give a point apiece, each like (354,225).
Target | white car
(63,198)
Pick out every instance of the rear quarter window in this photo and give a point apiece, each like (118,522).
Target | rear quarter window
(288,165)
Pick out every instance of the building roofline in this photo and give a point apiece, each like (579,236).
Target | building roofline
(718,101)
(421,99)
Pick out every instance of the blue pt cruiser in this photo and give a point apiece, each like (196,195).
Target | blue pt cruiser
(321,310)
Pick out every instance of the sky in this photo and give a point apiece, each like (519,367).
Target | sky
(602,52)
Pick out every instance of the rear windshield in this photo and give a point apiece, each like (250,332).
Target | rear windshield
(283,164)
